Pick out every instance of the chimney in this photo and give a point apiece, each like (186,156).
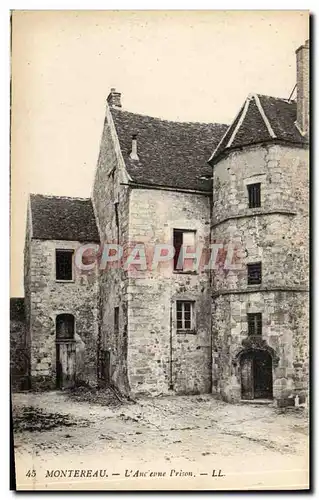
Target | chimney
(133,154)
(303,88)
(114,99)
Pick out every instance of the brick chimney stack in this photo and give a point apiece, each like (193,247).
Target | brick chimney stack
(114,99)
(303,88)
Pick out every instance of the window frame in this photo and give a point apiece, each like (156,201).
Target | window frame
(250,279)
(255,320)
(59,321)
(254,198)
(65,251)
(183,319)
(176,257)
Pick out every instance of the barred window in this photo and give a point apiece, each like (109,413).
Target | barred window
(64,265)
(254,323)
(185,315)
(254,195)
(254,273)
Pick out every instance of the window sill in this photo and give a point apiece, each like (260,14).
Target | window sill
(64,281)
(177,271)
(186,332)
(65,341)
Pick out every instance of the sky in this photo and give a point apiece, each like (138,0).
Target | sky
(177,65)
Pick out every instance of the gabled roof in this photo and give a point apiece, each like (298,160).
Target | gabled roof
(261,119)
(170,153)
(63,218)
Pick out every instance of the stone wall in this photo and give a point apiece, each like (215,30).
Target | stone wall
(284,328)
(160,358)
(108,190)
(19,356)
(277,235)
(27,284)
(50,298)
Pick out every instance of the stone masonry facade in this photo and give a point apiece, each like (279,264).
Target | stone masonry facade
(155,178)
(48,299)
(277,235)
(160,358)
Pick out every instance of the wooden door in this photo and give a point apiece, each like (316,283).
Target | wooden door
(65,365)
(262,375)
(247,377)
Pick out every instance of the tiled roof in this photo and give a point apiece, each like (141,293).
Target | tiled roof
(63,218)
(261,119)
(169,153)
(17,308)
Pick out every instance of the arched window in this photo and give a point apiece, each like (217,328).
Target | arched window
(65,327)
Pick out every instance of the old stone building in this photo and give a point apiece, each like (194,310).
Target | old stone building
(61,304)
(181,326)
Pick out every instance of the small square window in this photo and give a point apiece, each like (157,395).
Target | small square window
(64,265)
(185,315)
(254,324)
(182,240)
(254,273)
(254,195)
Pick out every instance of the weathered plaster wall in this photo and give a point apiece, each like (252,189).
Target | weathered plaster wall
(159,358)
(277,235)
(50,298)
(108,190)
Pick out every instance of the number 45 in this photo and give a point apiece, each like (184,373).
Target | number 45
(31,473)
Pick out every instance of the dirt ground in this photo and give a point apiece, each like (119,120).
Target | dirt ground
(177,442)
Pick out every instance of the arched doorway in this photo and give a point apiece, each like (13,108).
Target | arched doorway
(256,375)
(65,351)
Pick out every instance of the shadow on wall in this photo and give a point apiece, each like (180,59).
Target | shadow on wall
(19,355)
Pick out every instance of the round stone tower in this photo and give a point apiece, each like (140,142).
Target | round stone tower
(260,208)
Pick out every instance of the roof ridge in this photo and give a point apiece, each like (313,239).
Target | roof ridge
(168,121)
(264,117)
(288,101)
(241,109)
(61,197)
(240,121)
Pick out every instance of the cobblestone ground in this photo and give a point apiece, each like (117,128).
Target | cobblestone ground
(247,445)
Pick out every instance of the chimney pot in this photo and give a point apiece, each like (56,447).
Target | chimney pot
(302,55)
(114,99)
